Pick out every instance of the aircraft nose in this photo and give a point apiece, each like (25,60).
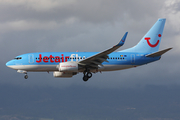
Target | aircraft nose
(9,63)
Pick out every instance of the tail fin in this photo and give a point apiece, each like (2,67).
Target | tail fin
(151,41)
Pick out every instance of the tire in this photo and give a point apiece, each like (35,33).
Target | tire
(85,78)
(26,76)
(89,74)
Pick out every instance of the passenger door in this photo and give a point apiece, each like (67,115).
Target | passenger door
(31,58)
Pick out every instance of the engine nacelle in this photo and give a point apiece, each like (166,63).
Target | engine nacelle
(63,74)
(68,67)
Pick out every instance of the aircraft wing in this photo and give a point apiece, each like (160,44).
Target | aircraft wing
(97,59)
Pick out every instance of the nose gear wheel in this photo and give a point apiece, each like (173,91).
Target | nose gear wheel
(26,76)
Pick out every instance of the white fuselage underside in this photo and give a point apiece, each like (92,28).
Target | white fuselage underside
(43,68)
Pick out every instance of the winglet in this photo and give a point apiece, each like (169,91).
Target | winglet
(121,43)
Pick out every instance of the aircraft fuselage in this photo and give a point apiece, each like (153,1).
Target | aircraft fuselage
(48,61)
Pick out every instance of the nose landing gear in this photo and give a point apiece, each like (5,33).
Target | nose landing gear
(26,76)
(24,72)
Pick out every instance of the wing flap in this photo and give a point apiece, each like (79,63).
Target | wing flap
(97,63)
(102,59)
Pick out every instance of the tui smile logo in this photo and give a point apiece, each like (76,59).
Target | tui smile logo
(152,45)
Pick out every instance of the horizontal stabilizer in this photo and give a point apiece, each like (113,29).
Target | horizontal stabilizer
(159,53)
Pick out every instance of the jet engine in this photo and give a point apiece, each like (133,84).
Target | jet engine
(63,74)
(68,67)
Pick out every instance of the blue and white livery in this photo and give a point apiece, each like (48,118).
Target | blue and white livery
(67,64)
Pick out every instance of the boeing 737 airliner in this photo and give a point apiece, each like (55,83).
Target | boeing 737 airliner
(67,64)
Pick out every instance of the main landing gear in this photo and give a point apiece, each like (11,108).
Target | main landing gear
(87,75)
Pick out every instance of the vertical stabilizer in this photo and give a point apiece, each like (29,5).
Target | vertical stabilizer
(151,41)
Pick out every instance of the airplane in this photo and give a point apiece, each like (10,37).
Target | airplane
(68,64)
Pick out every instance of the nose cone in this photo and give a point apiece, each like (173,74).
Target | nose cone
(10,63)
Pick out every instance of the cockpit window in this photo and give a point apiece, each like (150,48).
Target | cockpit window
(18,58)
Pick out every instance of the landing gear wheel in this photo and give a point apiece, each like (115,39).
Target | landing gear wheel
(89,74)
(85,78)
(26,76)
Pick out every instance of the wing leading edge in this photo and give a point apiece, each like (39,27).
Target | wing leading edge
(96,60)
